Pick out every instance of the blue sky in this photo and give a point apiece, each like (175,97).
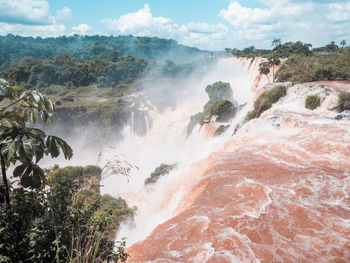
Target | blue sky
(207,24)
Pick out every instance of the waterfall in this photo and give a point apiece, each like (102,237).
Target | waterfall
(166,142)
(276,191)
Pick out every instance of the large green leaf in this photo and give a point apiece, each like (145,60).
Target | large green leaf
(26,179)
(11,149)
(54,148)
(67,150)
(38,176)
(27,146)
(35,115)
(18,171)
(38,149)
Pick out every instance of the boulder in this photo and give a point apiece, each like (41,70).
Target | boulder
(344,115)
(221,106)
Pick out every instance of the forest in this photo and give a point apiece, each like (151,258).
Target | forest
(14,48)
(301,62)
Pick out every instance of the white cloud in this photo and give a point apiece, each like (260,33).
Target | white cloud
(28,30)
(32,18)
(31,12)
(316,22)
(143,23)
(64,15)
(311,22)
(82,29)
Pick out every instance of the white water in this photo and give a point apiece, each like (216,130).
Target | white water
(166,142)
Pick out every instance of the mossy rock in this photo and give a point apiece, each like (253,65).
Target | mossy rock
(312,102)
(343,101)
(224,109)
(219,91)
(220,104)
(161,170)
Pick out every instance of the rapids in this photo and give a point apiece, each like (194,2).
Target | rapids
(276,191)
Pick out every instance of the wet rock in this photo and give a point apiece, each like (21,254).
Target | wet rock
(344,115)
(58,103)
(221,106)
(68,98)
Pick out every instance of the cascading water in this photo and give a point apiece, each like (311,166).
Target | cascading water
(277,191)
(167,142)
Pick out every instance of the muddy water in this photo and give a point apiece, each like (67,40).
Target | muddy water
(277,191)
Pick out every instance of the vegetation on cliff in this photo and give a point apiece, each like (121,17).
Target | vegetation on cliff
(265,101)
(91,78)
(303,63)
(280,50)
(221,130)
(160,171)
(316,67)
(220,104)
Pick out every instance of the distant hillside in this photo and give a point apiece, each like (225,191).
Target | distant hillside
(14,48)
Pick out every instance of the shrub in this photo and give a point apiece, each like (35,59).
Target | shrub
(161,170)
(62,223)
(265,101)
(343,101)
(316,67)
(221,130)
(252,115)
(222,109)
(312,102)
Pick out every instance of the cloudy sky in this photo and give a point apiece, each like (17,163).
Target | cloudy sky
(207,24)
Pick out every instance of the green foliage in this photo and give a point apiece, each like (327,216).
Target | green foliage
(66,71)
(312,102)
(106,114)
(115,208)
(343,43)
(221,130)
(62,223)
(316,67)
(14,48)
(265,101)
(252,115)
(20,143)
(343,101)
(223,109)
(264,68)
(161,170)
(88,177)
(281,50)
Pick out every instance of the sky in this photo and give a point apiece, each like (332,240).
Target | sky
(206,24)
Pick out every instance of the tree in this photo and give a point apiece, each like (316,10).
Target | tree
(273,61)
(343,43)
(275,43)
(331,47)
(24,144)
(264,68)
